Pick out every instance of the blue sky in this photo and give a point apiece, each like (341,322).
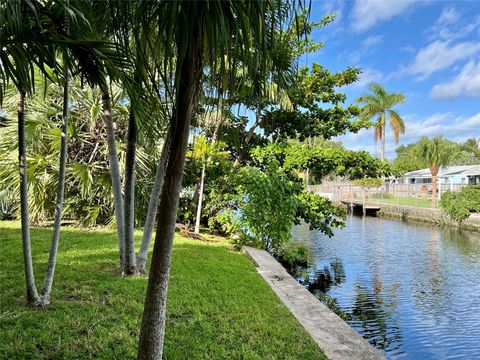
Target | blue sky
(428,50)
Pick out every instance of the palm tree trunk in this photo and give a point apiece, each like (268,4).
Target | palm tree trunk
(32,294)
(52,259)
(115,175)
(200,199)
(153,204)
(129,203)
(153,321)
(434,171)
(382,151)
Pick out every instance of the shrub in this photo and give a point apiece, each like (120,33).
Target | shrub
(459,205)
(381,196)
(295,254)
(7,206)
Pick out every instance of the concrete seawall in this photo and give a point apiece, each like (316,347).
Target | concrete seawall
(426,215)
(335,337)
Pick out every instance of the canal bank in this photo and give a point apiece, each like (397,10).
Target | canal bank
(411,214)
(336,339)
(426,215)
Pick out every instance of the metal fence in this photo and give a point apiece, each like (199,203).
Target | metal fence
(419,195)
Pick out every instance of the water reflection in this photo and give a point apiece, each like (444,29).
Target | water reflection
(412,291)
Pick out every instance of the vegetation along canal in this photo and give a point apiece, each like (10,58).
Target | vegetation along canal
(410,290)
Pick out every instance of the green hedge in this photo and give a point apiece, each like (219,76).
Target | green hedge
(459,205)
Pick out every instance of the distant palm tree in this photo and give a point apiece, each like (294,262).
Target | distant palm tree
(380,105)
(472,147)
(435,153)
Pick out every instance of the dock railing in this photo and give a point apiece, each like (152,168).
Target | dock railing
(418,195)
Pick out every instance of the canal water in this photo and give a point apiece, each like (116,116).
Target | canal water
(413,291)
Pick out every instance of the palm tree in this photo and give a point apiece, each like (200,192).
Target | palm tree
(380,105)
(190,31)
(52,259)
(204,152)
(472,147)
(436,152)
(32,31)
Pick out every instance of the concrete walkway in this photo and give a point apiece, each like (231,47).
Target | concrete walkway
(334,336)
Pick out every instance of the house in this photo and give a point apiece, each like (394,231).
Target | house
(460,174)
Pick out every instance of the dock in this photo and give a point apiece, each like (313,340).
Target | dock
(361,207)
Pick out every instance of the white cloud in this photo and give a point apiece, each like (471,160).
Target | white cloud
(367,77)
(465,84)
(455,128)
(449,15)
(367,46)
(439,55)
(449,26)
(334,6)
(372,41)
(368,13)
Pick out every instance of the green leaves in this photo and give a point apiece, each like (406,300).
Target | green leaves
(323,160)
(459,205)
(437,152)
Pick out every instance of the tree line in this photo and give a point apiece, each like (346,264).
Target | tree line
(128,111)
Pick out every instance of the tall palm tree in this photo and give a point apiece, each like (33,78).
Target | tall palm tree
(31,33)
(193,35)
(52,260)
(379,105)
(204,152)
(436,152)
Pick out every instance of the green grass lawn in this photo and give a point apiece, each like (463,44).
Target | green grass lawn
(427,203)
(218,306)
(409,201)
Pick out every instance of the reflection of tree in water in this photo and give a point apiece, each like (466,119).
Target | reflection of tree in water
(372,317)
(429,290)
(467,243)
(323,280)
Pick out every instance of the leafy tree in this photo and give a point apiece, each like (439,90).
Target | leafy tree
(380,105)
(406,159)
(324,161)
(436,152)
(268,200)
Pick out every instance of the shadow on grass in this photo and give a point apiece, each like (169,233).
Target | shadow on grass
(218,306)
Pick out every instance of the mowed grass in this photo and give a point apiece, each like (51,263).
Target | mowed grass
(425,203)
(218,306)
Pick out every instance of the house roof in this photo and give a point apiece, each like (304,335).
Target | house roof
(446,171)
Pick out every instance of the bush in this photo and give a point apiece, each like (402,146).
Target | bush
(7,206)
(459,205)
(295,254)
(381,196)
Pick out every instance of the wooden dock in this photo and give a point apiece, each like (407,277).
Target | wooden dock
(360,206)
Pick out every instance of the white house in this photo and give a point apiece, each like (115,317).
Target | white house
(462,174)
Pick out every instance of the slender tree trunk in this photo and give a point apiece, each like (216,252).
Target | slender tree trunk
(434,172)
(153,321)
(200,200)
(249,135)
(382,150)
(142,254)
(115,175)
(129,202)
(52,260)
(32,294)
